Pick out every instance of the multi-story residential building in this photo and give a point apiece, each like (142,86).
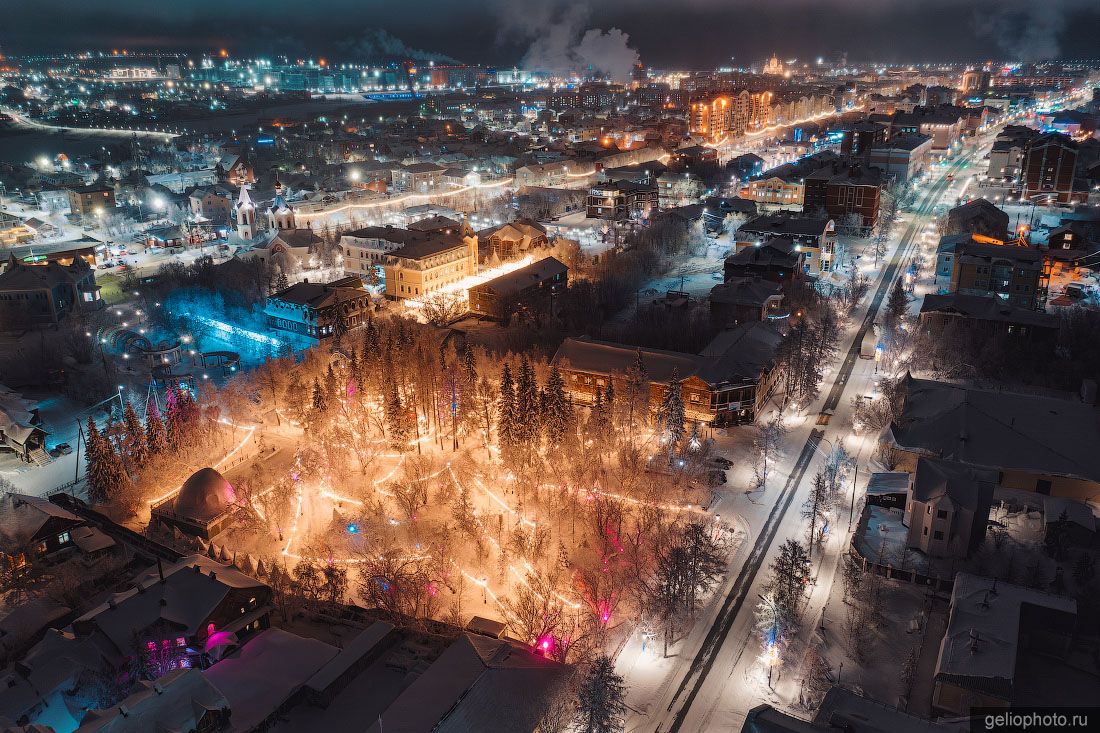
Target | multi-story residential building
(978,217)
(214,203)
(418,177)
(622,201)
(815,237)
(943,124)
(1049,168)
(410,264)
(985,317)
(903,158)
(855,192)
(947,507)
(1016,275)
(91,200)
(860,137)
(1006,157)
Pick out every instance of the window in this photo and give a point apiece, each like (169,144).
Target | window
(926,531)
(941,514)
(937,535)
(63,538)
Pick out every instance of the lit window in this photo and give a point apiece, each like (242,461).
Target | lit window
(63,538)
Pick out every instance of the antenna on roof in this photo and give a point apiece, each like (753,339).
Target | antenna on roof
(973,641)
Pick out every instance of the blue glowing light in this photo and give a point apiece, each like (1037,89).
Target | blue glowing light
(353,528)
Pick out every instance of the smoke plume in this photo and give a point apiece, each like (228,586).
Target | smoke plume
(1027,30)
(562,45)
(377,44)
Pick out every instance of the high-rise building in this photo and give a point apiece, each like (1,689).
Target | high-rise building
(1048,169)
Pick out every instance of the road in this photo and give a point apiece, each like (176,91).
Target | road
(25,121)
(713,683)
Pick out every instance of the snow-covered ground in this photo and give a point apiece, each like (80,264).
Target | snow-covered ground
(717,696)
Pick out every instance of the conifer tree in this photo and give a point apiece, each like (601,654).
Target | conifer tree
(671,415)
(106,474)
(557,412)
(319,404)
(600,707)
(396,424)
(527,407)
(507,430)
(182,417)
(156,436)
(637,393)
(137,447)
(896,305)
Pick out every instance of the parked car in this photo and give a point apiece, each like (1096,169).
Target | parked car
(61,449)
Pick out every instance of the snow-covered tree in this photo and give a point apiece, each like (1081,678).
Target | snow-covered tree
(106,475)
(600,699)
(156,436)
(397,427)
(790,572)
(671,416)
(137,446)
(557,410)
(508,432)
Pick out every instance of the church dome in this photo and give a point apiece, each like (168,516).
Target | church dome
(204,496)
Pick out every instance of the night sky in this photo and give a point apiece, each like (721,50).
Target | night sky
(672,33)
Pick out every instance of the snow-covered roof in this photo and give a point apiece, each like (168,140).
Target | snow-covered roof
(1000,430)
(477,684)
(983,630)
(22,516)
(178,701)
(191,590)
(50,665)
(260,677)
(367,640)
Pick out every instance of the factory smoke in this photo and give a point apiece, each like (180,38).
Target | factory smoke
(377,44)
(562,44)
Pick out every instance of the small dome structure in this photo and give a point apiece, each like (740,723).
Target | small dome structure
(204,496)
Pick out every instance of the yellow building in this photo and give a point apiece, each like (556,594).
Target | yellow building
(13,231)
(410,264)
(774,192)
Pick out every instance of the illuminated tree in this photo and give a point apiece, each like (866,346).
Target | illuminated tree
(671,416)
(182,417)
(508,432)
(790,573)
(397,427)
(768,441)
(636,394)
(319,406)
(557,410)
(137,447)
(815,510)
(156,436)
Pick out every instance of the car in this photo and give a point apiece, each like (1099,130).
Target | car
(63,449)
